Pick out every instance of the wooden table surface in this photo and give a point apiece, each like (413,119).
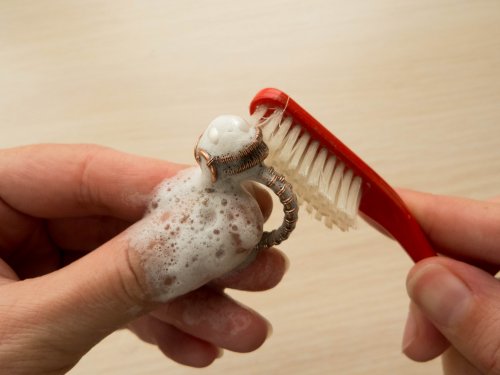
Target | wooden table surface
(412,86)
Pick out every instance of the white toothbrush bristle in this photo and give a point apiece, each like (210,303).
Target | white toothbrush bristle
(345,184)
(279,134)
(326,176)
(317,168)
(290,140)
(330,190)
(354,197)
(334,187)
(298,151)
(308,160)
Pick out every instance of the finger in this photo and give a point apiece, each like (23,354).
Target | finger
(75,181)
(454,363)
(73,308)
(88,233)
(421,340)
(458,227)
(7,274)
(216,318)
(264,273)
(54,181)
(24,245)
(114,284)
(462,302)
(84,233)
(35,256)
(262,197)
(175,344)
(14,228)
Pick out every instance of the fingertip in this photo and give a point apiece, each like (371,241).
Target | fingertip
(216,318)
(255,335)
(174,343)
(422,342)
(285,259)
(265,272)
(419,275)
(441,294)
(410,334)
(273,266)
(412,273)
(461,301)
(183,348)
(244,331)
(220,353)
(270,329)
(263,198)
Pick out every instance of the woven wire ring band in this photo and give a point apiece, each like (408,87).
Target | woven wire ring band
(283,190)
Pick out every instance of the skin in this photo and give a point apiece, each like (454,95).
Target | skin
(68,277)
(455,309)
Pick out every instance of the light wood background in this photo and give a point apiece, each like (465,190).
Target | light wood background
(412,86)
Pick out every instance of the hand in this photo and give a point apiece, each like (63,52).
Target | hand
(455,308)
(66,277)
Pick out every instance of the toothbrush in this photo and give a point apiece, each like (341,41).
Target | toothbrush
(328,177)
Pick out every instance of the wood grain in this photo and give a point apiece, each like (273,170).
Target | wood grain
(412,86)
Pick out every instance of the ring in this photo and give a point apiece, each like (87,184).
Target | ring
(249,163)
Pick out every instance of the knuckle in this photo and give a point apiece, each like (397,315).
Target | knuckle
(132,281)
(85,175)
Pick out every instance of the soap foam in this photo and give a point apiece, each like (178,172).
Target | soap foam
(227,134)
(194,231)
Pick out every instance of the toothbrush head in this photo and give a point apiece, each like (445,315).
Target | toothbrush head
(325,183)
(331,179)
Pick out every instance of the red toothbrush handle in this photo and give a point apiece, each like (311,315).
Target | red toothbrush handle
(380,203)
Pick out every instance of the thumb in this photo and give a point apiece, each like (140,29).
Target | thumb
(462,302)
(78,305)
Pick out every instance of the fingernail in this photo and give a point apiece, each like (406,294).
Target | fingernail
(220,352)
(410,332)
(440,294)
(287,262)
(270,329)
